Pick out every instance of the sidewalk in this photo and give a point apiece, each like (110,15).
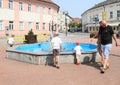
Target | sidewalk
(20,73)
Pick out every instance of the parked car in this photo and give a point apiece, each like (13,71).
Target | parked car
(74,30)
(78,29)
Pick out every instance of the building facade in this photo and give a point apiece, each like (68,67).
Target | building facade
(76,20)
(108,10)
(19,16)
(63,20)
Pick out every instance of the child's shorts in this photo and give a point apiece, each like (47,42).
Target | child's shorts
(56,52)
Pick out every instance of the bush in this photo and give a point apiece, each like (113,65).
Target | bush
(30,32)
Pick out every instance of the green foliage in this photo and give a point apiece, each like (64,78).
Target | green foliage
(30,32)
(73,24)
(79,25)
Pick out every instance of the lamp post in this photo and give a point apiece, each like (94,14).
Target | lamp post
(66,13)
(96,20)
(52,26)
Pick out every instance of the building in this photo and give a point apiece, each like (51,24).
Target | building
(19,16)
(76,20)
(63,20)
(108,10)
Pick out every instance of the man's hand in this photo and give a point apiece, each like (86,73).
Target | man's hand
(116,44)
(115,39)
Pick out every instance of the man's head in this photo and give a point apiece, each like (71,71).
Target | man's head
(103,23)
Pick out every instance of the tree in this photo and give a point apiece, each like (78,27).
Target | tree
(73,24)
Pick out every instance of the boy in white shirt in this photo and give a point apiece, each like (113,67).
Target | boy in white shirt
(56,47)
(78,50)
(11,41)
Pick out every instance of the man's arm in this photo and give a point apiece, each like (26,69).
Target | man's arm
(115,39)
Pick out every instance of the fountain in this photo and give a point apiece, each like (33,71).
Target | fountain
(41,53)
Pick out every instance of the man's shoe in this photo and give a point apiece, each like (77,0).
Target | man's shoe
(102,70)
(58,67)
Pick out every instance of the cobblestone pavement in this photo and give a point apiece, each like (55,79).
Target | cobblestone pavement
(19,73)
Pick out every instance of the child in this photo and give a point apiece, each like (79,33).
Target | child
(56,43)
(78,49)
(11,40)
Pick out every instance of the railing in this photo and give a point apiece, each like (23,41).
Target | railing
(19,39)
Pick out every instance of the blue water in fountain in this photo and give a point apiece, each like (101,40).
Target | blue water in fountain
(45,47)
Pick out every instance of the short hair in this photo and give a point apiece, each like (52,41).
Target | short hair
(56,34)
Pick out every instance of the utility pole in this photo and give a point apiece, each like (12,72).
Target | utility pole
(66,13)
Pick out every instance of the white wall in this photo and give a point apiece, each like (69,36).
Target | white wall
(6,14)
(29,16)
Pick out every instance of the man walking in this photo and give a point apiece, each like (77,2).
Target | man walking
(105,39)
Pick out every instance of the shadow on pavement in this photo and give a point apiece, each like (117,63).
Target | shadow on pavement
(115,55)
(95,65)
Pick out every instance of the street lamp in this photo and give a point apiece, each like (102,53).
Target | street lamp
(66,13)
(96,20)
(52,26)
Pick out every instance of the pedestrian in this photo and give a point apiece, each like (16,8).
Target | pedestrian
(11,41)
(7,32)
(56,44)
(105,39)
(78,50)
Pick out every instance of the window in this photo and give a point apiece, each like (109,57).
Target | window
(11,25)
(49,11)
(90,18)
(37,8)
(37,25)
(90,28)
(44,26)
(44,10)
(111,14)
(21,25)
(10,4)
(118,13)
(21,6)
(29,7)
(118,4)
(29,25)
(0,3)
(1,25)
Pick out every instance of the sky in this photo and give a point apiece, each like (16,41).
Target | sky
(76,7)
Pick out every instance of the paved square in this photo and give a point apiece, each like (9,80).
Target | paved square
(20,73)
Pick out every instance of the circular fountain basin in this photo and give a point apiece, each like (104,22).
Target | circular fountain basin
(44,48)
(41,53)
